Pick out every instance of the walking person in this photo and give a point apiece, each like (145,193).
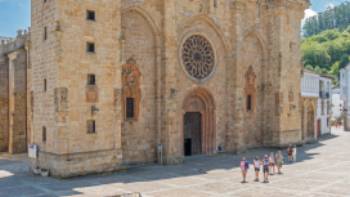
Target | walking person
(295,153)
(290,153)
(279,161)
(244,164)
(272,163)
(257,164)
(266,164)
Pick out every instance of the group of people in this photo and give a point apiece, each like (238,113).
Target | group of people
(268,164)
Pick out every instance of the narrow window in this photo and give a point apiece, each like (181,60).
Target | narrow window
(90,15)
(130,107)
(45,85)
(90,47)
(249,102)
(45,33)
(44,134)
(45,1)
(322,107)
(91,79)
(91,126)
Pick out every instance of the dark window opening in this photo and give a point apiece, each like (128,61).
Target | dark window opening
(130,108)
(45,85)
(45,33)
(91,79)
(90,47)
(91,124)
(90,15)
(44,134)
(249,103)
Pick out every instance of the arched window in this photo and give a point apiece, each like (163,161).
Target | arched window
(250,90)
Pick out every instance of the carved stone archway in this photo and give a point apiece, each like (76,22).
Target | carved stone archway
(201,101)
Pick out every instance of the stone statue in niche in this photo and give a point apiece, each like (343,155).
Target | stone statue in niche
(250,89)
(61,104)
(291,95)
(61,99)
(131,77)
(91,94)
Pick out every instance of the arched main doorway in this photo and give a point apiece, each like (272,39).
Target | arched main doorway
(199,123)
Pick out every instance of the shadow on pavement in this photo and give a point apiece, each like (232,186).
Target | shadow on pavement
(16,178)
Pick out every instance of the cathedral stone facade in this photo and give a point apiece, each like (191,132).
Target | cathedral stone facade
(114,83)
(14,122)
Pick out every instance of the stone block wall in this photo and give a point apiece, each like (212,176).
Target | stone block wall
(85,121)
(17,101)
(13,91)
(4,104)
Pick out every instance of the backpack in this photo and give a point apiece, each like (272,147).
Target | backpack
(246,165)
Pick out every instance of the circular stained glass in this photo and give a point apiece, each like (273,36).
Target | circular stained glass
(198,57)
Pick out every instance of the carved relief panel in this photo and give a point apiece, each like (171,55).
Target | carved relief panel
(91,94)
(131,89)
(61,103)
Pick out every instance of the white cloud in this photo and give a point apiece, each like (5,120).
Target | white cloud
(308,13)
(330,5)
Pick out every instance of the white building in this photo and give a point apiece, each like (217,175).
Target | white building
(316,105)
(337,104)
(324,112)
(345,94)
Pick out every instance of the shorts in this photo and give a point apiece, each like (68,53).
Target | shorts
(257,169)
(266,169)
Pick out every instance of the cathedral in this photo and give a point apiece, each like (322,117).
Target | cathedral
(114,83)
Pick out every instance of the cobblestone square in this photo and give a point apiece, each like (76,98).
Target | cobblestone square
(322,170)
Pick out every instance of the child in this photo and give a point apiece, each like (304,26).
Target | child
(272,163)
(257,164)
(290,153)
(279,161)
(244,168)
(266,168)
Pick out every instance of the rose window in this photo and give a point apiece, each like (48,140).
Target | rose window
(198,57)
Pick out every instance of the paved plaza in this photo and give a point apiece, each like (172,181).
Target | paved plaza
(323,170)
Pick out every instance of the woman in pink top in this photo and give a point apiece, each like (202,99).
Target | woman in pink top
(244,165)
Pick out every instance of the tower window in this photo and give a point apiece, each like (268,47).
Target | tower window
(249,102)
(130,108)
(45,85)
(45,33)
(91,79)
(44,134)
(91,126)
(90,15)
(90,47)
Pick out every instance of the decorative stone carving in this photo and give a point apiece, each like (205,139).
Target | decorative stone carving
(61,103)
(91,94)
(131,85)
(61,99)
(200,100)
(198,57)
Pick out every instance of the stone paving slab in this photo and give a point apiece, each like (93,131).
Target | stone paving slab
(322,170)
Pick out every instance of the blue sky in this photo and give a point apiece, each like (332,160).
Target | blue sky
(320,5)
(15,14)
